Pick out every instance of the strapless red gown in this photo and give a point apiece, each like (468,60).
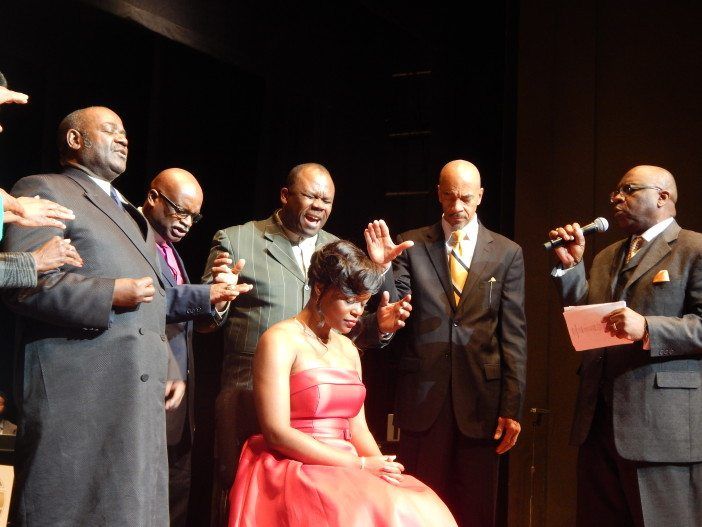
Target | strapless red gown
(271,490)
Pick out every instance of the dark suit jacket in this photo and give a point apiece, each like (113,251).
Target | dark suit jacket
(657,398)
(185,302)
(477,347)
(92,442)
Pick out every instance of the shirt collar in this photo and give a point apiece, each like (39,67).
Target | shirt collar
(470,229)
(104,185)
(658,228)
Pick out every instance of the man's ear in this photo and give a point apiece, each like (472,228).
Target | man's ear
(74,139)
(151,196)
(284,193)
(663,197)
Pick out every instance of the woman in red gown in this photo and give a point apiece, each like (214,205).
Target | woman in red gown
(316,463)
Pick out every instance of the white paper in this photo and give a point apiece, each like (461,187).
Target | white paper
(585,326)
(7,474)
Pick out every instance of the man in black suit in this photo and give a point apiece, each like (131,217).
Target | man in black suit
(91,343)
(463,372)
(172,206)
(638,416)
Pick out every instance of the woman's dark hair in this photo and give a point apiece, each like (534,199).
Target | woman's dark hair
(343,265)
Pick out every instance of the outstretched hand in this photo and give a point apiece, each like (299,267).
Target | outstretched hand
(56,252)
(392,316)
(226,286)
(9,96)
(38,212)
(381,249)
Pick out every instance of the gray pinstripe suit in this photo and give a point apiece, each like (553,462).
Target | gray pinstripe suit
(280,291)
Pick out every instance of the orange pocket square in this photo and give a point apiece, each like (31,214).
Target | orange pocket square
(661,276)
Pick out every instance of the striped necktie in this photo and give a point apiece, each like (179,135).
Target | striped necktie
(634,246)
(457,268)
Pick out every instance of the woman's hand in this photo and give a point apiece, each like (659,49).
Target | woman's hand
(385,467)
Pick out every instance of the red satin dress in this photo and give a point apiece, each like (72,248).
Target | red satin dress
(271,490)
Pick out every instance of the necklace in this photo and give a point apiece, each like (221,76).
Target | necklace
(309,333)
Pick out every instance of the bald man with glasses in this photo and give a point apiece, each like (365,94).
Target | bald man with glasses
(172,206)
(638,417)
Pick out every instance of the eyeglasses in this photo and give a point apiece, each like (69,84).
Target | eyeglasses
(629,189)
(180,212)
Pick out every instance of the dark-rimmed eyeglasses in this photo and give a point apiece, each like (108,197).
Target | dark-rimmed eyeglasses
(629,189)
(178,211)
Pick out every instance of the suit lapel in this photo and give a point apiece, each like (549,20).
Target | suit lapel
(181,266)
(279,247)
(136,231)
(481,256)
(616,267)
(436,249)
(660,247)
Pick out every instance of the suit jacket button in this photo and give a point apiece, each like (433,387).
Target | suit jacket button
(163,338)
(141,331)
(455,323)
(144,378)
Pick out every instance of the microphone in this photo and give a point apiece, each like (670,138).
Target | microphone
(599,225)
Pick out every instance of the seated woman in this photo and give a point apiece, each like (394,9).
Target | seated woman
(317,463)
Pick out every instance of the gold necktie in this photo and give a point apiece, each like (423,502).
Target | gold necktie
(458,269)
(634,246)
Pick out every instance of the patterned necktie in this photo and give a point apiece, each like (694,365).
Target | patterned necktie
(634,246)
(457,268)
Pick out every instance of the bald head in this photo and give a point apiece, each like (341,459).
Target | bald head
(656,176)
(459,192)
(651,199)
(177,180)
(174,198)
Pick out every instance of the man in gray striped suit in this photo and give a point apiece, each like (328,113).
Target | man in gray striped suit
(277,252)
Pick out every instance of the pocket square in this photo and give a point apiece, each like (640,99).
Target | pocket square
(661,276)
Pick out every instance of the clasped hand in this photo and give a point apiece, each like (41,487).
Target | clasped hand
(385,467)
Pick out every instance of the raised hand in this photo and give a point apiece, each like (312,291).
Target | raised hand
(381,249)
(226,286)
(55,253)
(392,316)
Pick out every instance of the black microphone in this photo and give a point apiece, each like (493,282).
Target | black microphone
(599,225)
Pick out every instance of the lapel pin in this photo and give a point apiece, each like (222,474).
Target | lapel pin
(491,281)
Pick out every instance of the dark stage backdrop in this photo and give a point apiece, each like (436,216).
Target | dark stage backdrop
(382,93)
